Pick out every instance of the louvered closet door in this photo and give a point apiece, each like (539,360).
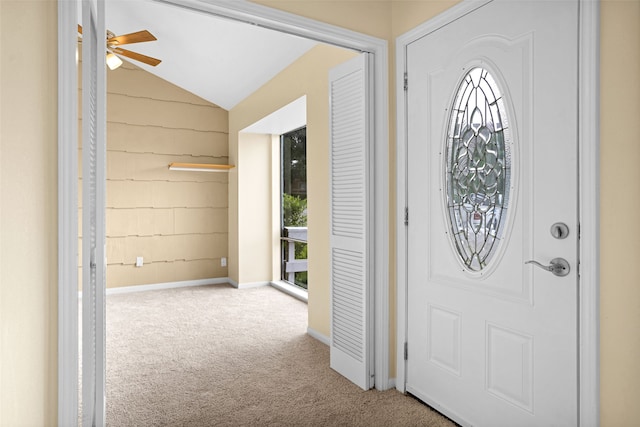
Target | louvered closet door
(93,212)
(350,299)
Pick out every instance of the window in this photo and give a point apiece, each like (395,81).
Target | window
(478,168)
(293,150)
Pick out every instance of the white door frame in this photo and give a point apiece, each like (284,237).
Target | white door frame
(67,170)
(67,214)
(589,203)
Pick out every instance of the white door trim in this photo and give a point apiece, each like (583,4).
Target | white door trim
(589,178)
(67,186)
(94,180)
(67,214)
(589,196)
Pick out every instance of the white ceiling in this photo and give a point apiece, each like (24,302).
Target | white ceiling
(220,60)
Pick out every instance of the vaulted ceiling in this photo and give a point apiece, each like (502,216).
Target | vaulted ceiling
(220,60)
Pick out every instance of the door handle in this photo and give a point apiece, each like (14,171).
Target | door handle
(558,266)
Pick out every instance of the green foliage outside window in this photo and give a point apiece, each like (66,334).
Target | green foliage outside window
(294,211)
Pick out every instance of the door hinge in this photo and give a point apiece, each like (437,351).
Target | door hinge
(406,216)
(406,351)
(406,81)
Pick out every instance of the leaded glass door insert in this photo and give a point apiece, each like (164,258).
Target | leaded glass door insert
(477,169)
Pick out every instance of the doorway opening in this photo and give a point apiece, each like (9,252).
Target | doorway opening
(67,189)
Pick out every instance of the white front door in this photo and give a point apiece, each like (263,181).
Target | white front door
(492,169)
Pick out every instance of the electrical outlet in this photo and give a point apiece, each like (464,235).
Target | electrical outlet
(139,261)
(223,261)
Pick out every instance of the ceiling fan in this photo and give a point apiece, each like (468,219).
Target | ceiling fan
(113,43)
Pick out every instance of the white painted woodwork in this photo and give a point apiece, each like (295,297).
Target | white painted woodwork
(168,285)
(349,220)
(589,184)
(293,265)
(93,214)
(501,347)
(67,216)
(588,128)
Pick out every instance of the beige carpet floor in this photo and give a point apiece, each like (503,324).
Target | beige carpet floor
(218,356)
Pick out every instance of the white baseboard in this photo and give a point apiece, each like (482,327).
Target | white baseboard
(392,383)
(247,285)
(317,335)
(183,284)
(250,285)
(167,285)
(294,291)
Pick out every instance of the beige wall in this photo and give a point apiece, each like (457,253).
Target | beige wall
(619,204)
(254,208)
(307,76)
(176,220)
(28,213)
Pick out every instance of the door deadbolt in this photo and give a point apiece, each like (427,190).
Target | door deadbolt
(560,230)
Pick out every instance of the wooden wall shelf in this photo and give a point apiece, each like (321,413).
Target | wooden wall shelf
(199,167)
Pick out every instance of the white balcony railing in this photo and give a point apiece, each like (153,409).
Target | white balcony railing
(292,265)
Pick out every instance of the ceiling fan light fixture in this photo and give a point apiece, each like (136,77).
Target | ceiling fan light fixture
(114,41)
(113,61)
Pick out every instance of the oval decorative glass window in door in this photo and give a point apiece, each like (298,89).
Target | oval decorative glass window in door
(478,169)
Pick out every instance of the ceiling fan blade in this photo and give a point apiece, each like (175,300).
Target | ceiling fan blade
(137,37)
(137,56)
